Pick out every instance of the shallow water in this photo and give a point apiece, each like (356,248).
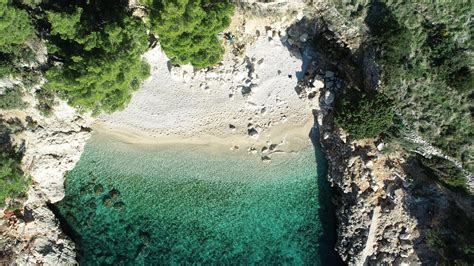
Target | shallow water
(175,204)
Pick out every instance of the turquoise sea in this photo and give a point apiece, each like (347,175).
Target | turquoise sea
(182,204)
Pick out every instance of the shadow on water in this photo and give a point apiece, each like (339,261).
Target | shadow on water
(327,240)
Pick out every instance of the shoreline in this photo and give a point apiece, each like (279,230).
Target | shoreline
(286,137)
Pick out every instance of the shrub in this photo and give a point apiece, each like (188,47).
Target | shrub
(363,115)
(434,240)
(445,172)
(11,99)
(13,183)
(187,30)
(6,68)
(45,101)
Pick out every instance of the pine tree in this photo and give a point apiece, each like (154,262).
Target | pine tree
(99,55)
(15,27)
(187,29)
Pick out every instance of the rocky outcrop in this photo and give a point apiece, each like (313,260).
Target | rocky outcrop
(52,147)
(374,224)
(371,188)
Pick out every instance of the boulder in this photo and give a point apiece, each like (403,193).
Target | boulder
(328,98)
(318,84)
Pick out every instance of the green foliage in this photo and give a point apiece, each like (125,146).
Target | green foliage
(99,46)
(13,183)
(11,99)
(425,56)
(45,101)
(97,84)
(187,30)
(445,172)
(434,240)
(65,25)
(365,116)
(30,3)
(15,26)
(15,29)
(6,67)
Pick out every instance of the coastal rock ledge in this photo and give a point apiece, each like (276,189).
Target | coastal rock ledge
(52,146)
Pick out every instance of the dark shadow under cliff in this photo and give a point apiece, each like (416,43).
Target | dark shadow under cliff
(327,241)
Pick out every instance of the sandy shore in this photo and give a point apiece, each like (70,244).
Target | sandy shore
(247,102)
(287,137)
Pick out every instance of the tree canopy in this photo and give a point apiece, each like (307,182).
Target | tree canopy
(15,26)
(187,29)
(15,29)
(13,183)
(364,115)
(98,55)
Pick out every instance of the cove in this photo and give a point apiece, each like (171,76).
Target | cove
(188,204)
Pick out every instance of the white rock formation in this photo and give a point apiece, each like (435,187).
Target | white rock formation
(52,148)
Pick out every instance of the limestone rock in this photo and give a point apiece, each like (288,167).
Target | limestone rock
(318,84)
(52,148)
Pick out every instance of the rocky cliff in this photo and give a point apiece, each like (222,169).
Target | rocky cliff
(52,146)
(390,208)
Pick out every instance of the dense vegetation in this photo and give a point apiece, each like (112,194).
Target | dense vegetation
(365,115)
(424,54)
(11,99)
(96,48)
(15,29)
(444,172)
(427,69)
(13,183)
(187,29)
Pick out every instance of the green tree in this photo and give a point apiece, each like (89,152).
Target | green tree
(13,184)
(15,29)
(98,49)
(364,115)
(187,29)
(15,26)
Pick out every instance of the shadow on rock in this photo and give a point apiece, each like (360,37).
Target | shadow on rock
(327,240)
(445,217)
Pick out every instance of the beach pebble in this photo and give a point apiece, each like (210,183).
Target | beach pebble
(318,84)
(269,33)
(328,98)
(252,132)
(304,37)
(381,146)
